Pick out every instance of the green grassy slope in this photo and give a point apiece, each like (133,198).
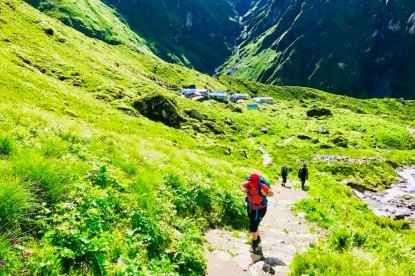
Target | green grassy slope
(197,34)
(89,190)
(94,19)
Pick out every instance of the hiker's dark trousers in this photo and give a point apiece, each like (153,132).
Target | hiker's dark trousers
(284,179)
(302,182)
(254,223)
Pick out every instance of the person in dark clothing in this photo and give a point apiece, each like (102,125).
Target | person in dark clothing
(284,174)
(303,175)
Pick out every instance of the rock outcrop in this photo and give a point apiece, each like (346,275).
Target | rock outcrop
(318,112)
(159,108)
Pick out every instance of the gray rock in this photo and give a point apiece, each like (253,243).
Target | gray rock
(128,111)
(215,128)
(159,108)
(304,137)
(340,141)
(318,112)
(237,109)
(322,130)
(228,122)
(49,31)
(195,114)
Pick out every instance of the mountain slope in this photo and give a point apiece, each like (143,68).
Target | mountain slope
(89,186)
(359,48)
(198,34)
(94,19)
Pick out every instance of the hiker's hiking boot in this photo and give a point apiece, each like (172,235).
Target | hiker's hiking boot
(258,240)
(254,247)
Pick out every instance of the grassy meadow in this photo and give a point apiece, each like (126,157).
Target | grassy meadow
(86,189)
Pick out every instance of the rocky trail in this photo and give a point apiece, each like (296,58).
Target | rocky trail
(282,233)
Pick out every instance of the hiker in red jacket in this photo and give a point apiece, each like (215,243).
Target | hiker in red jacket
(256,200)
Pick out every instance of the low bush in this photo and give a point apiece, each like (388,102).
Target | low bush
(199,200)
(6,145)
(341,239)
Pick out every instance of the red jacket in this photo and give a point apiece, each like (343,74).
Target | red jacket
(254,196)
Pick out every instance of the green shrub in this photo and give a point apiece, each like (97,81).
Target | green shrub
(198,200)
(341,239)
(47,261)
(150,233)
(359,239)
(232,211)
(6,145)
(102,177)
(85,228)
(189,257)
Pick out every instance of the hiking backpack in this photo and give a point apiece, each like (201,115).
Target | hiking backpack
(284,170)
(264,201)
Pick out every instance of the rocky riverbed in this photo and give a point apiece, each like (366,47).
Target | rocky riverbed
(397,201)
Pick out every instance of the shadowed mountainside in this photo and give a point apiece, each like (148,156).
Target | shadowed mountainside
(354,47)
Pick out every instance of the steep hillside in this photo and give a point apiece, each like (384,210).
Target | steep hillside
(198,34)
(359,48)
(89,186)
(94,19)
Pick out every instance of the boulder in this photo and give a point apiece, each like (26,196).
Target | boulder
(264,130)
(340,141)
(236,109)
(159,108)
(304,137)
(318,112)
(228,122)
(215,128)
(401,216)
(49,31)
(62,77)
(326,146)
(322,130)
(244,153)
(128,111)
(195,114)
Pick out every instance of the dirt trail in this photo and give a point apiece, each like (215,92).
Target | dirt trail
(282,234)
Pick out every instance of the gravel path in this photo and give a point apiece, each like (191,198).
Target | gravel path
(282,233)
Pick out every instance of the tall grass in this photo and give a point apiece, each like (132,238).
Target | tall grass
(16,201)
(49,177)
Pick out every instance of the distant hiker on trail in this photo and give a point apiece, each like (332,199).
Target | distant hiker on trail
(284,174)
(256,200)
(303,175)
